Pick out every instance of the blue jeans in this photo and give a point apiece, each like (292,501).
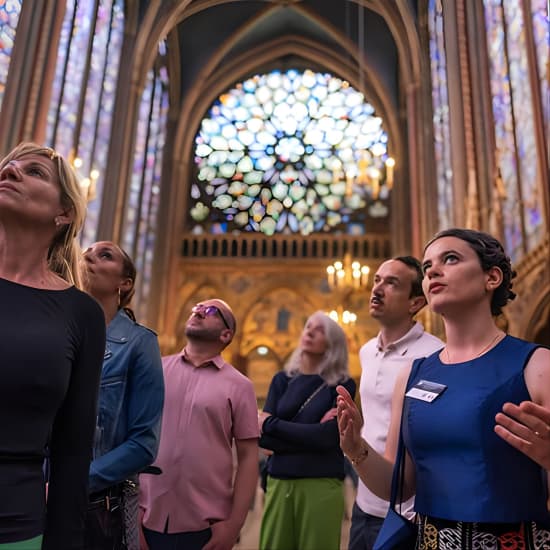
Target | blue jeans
(193,540)
(364,529)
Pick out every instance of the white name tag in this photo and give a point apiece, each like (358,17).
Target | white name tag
(426,390)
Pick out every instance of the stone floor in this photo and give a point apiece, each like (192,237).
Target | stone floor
(250,533)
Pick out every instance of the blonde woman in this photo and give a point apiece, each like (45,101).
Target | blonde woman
(52,339)
(304,499)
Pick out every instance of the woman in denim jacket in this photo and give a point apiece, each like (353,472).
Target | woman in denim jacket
(130,403)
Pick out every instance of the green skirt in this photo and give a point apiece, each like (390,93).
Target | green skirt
(29,544)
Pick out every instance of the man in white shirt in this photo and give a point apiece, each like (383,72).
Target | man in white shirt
(396,298)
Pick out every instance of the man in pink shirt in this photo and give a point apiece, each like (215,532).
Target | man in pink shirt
(194,503)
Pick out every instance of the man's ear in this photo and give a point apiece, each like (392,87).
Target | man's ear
(416,304)
(226,336)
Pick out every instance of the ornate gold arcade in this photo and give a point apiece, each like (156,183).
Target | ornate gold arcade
(273,284)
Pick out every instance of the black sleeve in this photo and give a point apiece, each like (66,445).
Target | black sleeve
(303,436)
(72,437)
(277,387)
(276,445)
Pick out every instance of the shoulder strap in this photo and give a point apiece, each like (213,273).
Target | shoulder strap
(305,403)
(398,475)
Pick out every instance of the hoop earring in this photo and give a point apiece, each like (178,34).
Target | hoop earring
(118,289)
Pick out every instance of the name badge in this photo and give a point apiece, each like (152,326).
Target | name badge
(426,391)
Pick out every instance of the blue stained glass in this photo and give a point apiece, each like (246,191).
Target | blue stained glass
(94,83)
(524,122)
(9,17)
(520,189)
(279,135)
(143,198)
(541,32)
(504,128)
(442,135)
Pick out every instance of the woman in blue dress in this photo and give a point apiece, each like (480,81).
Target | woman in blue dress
(131,397)
(478,474)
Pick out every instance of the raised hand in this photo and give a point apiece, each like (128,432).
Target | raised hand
(527,428)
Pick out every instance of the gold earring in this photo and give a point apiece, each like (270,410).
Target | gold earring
(118,289)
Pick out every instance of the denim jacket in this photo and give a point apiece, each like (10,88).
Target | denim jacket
(131,398)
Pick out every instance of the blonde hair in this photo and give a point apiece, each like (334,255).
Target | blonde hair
(334,365)
(64,252)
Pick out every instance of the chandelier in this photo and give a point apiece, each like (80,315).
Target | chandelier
(347,275)
(369,172)
(343,316)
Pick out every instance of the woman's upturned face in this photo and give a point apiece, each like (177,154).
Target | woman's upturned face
(104,268)
(29,185)
(453,277)
(313,338)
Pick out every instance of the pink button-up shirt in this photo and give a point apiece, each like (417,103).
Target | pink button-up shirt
(205,408)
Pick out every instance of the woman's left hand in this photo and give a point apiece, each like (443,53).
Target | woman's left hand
(329,415)
(527,428)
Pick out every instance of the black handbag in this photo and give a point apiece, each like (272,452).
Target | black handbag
(397,532)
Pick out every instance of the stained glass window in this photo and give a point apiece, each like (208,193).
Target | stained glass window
(143,197)
(83,93)
(514,129)
(541,31)
(440,101)
(9,17)
(290,152)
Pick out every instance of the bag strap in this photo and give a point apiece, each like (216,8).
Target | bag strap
(398,475)
(305,403)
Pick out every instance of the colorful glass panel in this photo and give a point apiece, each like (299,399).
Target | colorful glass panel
(504,127)
(144,192)
(83,94)
(9,17)
(541,32)
(514,128)
(440,101)
(526,146)
(290,152)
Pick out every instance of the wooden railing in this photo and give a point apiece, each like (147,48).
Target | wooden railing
(248,246)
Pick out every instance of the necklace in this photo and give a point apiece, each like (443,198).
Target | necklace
(481,352)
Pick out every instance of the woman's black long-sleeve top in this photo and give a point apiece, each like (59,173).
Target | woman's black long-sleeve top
(303,446)
(51,351)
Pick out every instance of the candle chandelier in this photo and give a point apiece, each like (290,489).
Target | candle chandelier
(346,276)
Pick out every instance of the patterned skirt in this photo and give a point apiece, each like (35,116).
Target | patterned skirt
(440,534)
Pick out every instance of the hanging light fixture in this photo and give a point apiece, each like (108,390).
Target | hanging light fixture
(347,275)
(370,170)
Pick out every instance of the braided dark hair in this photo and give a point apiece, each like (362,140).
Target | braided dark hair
(491,254)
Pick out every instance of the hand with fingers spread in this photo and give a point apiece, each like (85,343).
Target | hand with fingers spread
(349,424)
(527,428)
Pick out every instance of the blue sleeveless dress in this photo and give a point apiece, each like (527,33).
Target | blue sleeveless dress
(467,478)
